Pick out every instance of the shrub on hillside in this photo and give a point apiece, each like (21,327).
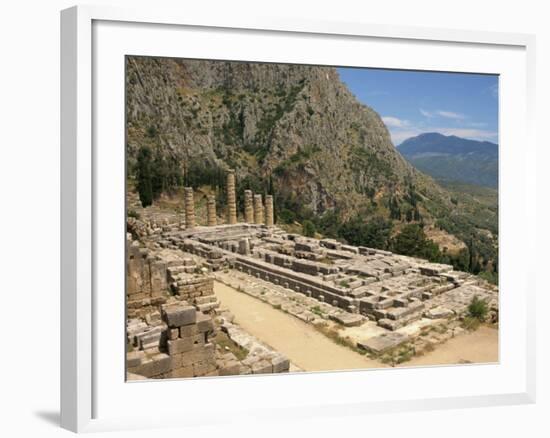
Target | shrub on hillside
(478,308)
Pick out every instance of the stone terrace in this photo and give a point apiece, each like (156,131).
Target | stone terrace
(391,289)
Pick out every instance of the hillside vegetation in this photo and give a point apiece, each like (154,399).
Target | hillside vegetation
(298,133)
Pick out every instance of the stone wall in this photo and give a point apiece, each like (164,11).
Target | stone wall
(171,327)
(168,335)
(176,346)
(146,285)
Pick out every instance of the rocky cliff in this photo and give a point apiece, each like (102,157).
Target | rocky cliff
(297,126)
(294,131)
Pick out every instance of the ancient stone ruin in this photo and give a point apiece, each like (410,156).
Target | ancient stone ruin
(174,316)
(211,211)
(172,320)
(248,207)
(189,208)
(231,198)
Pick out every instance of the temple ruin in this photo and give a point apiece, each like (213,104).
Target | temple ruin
(173,313)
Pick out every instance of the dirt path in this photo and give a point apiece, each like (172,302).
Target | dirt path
(480,346)
(300,342)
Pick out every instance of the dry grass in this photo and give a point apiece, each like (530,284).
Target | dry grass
(226,343)
(333,334)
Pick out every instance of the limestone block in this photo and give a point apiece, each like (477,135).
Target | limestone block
(381,343)
(230,368)
(385,303)
(177,315)
(439,312)
(204,323)
(134,358)
(153,317)
(203,368)
(173,334)
(188,331)
(347,319)
(401,312)
(157,365)
(201,353)
(262,366)
(180,345)
(180,373)
(280,364)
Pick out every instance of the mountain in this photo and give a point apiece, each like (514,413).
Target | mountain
(451,158)
(294,131)
(298,125)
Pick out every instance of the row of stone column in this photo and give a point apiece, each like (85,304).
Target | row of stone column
(254,209)
(253,206)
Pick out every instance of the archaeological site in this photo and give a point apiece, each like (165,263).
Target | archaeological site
(287,218)
(229,292)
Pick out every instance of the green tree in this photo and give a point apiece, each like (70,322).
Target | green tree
(395,210)
(329,223)
(308,228)
(144,176)
(412,241)
(374,233)
(159,173)
(461,261)
(287,216)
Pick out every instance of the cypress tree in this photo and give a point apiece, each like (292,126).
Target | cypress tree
(144,176)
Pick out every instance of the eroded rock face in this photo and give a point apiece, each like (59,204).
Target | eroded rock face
(299,124)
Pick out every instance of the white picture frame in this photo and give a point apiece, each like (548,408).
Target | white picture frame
(91,393)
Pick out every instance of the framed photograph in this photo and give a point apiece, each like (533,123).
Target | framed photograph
(257,209)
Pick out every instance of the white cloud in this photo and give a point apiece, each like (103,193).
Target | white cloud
(442,113)
(394,122)
(451,115)
(427,114)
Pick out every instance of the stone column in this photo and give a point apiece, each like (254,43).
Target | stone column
(211,211)
(244,247)
(189,207)
(248,207)
(269,210)
(231,198)
(258,210)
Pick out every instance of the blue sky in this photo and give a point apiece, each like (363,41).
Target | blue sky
(414,102)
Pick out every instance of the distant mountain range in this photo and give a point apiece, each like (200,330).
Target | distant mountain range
(451,158)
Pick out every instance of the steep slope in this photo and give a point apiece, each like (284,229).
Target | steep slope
(294,131)
(451,158)
(296,125)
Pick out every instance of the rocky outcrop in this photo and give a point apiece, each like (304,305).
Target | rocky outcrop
(296,126)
